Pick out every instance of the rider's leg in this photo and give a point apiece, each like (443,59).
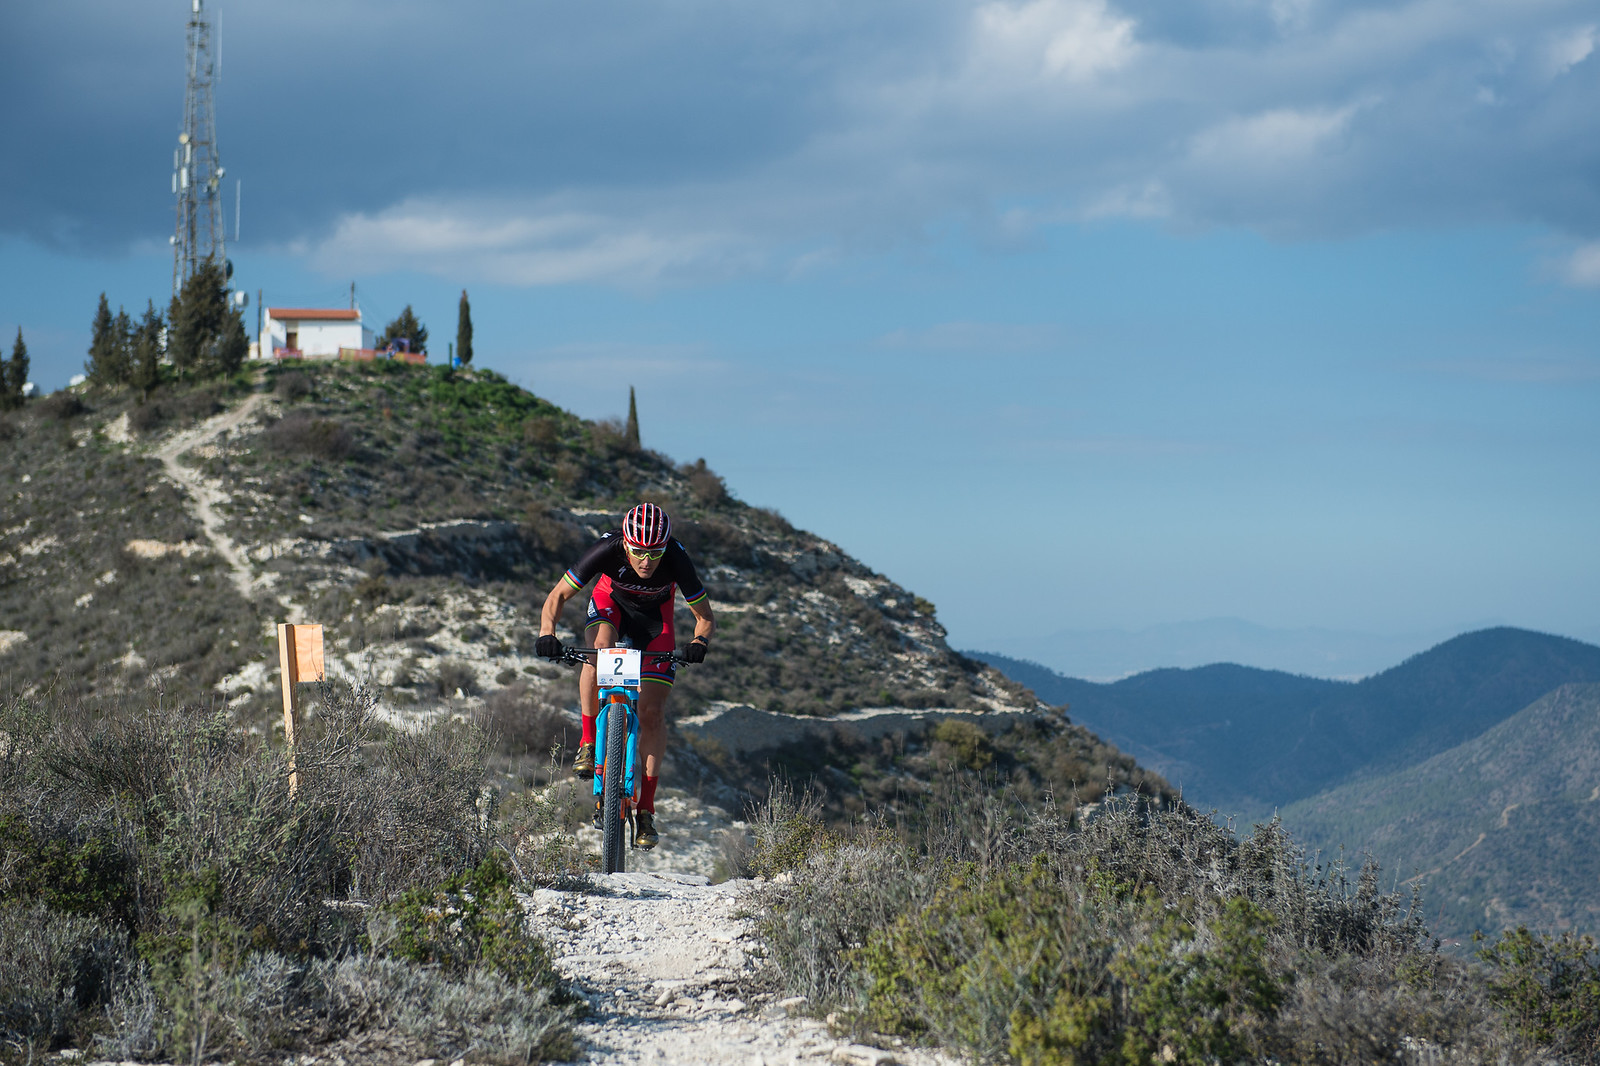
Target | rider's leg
(652,737)
(602,635)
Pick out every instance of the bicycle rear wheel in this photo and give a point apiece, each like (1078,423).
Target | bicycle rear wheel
(613,849)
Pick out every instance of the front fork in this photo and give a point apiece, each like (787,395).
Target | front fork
(617,699)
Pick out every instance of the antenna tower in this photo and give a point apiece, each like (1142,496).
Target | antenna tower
(196,169)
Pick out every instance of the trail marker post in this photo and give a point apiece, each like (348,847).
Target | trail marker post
(299,659)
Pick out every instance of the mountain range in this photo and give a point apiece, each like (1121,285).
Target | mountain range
(1474,766)
(1248,741)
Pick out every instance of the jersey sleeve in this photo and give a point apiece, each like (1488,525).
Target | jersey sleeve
(684,573)
(593,562)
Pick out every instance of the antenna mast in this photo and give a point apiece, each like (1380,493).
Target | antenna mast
(196,170)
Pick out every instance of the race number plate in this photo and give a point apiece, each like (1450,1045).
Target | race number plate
(618,667)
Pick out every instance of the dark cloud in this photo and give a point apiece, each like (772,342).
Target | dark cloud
(540,142)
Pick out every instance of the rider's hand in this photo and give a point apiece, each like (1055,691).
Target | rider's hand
(695,652)
(548,647)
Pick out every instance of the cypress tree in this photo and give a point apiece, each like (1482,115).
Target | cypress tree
(17,370)
(633,420)
(233,344)
(146,371)
(464,331)
(101,365)
(122,348)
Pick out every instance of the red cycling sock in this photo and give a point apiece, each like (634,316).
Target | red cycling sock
(588,729)
(647,794)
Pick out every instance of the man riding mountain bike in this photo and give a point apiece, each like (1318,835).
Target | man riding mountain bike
(640,569)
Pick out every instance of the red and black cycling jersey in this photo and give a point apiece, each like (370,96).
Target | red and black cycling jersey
(607,558)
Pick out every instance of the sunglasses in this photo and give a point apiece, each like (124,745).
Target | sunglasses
(645,553)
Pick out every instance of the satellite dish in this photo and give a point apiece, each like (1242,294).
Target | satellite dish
(241,299)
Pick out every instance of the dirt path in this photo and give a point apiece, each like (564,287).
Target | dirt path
(203,495)
(661,957)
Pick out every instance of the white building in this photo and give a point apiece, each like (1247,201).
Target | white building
(312,333)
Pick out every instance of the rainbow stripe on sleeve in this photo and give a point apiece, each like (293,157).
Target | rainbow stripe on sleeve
(703,594)
(577,586)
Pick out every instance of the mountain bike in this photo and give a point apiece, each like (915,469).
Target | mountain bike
(617,673)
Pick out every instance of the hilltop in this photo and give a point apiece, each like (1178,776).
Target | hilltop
(1247,741)
(421,514)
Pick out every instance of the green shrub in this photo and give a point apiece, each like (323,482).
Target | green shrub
(786,829)
(1123,933)
(1549,987)
(1199,994)
(470,921)
(968,744)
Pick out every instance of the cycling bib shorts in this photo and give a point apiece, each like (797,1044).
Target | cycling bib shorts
(646,626)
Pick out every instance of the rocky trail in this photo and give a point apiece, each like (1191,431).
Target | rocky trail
(204,496)
(665,961)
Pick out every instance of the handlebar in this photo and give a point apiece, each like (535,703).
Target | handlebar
(581,656)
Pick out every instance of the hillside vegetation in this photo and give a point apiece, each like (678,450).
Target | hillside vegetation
(1248,741)
(1501,829)
(421,514)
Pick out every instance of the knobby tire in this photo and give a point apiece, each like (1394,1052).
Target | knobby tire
(613,848)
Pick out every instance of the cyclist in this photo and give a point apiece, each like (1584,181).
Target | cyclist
(640,568)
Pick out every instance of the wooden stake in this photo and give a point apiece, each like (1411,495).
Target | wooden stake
(299,659)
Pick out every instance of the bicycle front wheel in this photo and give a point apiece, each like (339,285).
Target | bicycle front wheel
(613,849)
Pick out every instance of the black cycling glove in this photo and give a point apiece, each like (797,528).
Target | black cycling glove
(695,652)
(548,647)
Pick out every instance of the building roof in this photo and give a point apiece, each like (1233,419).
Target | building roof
(312,314)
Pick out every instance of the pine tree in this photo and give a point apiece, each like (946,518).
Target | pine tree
(206,337)
(5,382)
(633,420)
(464,331)
(406,327)
(196,321)
(147,351)
(17,371)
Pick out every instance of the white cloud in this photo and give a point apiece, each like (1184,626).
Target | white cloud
(1583,266)
(1571,47)
(532,243)
(1145,199)
(1272,140)
(1072,39)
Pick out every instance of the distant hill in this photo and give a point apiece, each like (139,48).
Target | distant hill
(1113,654)
(1247,741)
(1502,828)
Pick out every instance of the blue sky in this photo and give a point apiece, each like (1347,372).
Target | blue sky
(1067,314)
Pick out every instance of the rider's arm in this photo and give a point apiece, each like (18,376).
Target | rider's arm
(552,606)
(704,624)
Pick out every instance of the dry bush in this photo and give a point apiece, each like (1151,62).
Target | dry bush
(292,385)
(705,486)
(549,533)
(61,406)
(542,432)
(454,676)
(308,434)
(524,721)
(172,829)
